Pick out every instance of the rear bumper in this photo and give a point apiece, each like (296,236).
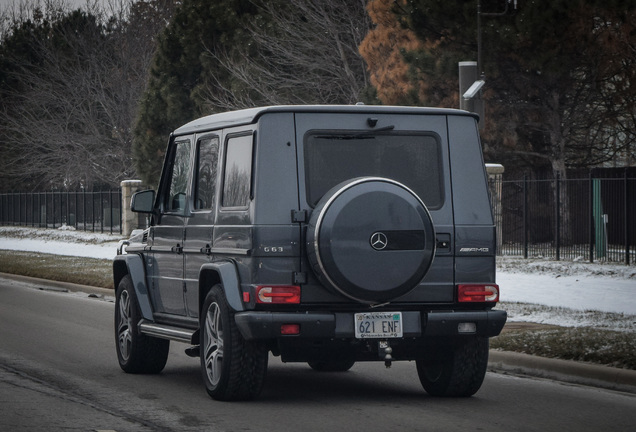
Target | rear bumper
(255,325)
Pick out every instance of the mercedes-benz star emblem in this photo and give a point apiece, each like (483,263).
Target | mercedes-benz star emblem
(379,241)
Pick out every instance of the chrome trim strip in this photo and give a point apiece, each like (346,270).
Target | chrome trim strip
(165,331)
(231,251)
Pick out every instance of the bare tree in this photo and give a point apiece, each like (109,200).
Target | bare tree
(305,52)
(69,123)
(582,116)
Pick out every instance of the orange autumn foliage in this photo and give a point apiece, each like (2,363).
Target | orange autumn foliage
(382,49)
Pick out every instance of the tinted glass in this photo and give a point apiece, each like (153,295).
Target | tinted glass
(413,160)
(238,172)
(175,201)
(207,163)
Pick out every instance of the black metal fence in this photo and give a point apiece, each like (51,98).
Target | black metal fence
(88,211)
(590,219)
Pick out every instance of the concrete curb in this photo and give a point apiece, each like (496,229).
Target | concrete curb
(500,361)
(51,285)
(563,370)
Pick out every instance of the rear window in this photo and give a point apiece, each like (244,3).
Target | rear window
(411,159)
(238,171)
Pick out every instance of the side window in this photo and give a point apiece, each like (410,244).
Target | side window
(238,171)
(207,163)
(176,197)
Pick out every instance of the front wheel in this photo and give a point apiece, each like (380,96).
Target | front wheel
(233,368)
(136,352)
(454,369)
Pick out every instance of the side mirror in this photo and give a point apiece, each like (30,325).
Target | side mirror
(143,202)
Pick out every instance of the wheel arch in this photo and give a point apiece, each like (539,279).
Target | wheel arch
(133,265)
(223,273)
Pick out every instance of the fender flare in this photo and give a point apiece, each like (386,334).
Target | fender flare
(133,265)
(225,274)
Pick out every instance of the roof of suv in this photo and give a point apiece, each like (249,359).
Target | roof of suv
(251,115)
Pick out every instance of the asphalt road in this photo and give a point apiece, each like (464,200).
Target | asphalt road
(59,372)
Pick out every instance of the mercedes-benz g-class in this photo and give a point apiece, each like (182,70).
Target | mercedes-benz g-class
(322,234)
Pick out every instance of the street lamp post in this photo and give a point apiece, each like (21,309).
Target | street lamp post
(471,74)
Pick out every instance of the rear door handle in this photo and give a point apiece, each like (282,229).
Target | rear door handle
(178,249)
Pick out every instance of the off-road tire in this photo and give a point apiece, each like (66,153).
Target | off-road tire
(232,368)
(454,369)
(136,352)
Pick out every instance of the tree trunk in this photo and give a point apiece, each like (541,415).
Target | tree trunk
(562,223)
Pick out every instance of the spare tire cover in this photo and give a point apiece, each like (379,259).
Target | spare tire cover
(371,239)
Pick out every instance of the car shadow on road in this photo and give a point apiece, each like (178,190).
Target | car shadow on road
(298,382)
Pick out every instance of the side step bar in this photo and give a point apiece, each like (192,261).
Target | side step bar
(165,331)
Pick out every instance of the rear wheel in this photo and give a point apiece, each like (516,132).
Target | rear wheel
(454,369)
(233,368)
(136,352)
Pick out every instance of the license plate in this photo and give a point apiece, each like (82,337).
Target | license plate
(373,325)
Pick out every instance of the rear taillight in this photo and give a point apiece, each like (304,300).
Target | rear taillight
(279,294)
(477,293)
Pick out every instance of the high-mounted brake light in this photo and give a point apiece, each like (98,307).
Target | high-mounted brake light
(478,293)
(279,294)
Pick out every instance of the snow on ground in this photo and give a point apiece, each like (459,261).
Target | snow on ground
(601,293)
(602,287)
(563,293)
(62,241)
(573,294)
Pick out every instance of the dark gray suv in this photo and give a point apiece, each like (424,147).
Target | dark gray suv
(322,234)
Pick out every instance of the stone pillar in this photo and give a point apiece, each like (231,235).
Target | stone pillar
(129,219)
(495,178)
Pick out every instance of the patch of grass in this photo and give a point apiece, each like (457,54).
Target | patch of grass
(84,271)
(606,347)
